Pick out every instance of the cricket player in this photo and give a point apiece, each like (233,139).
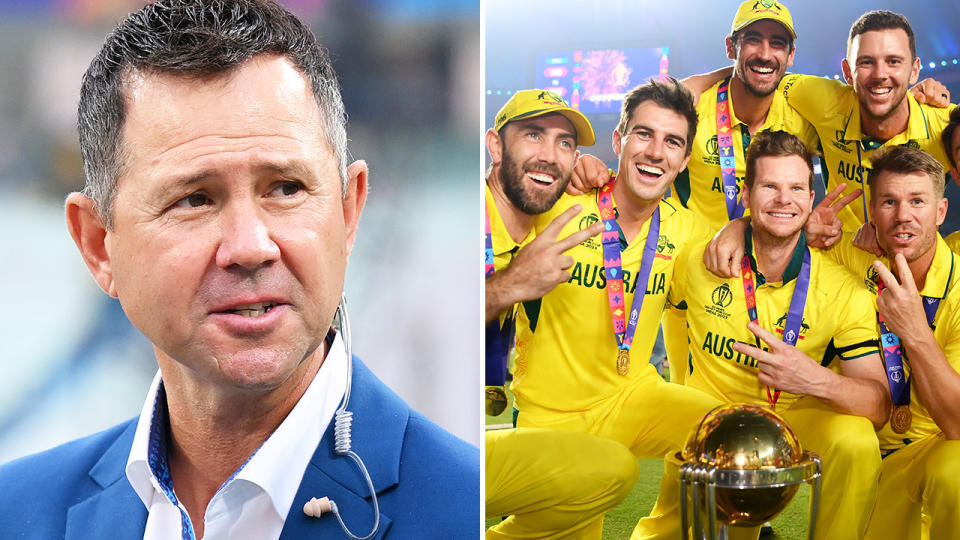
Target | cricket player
(919,323)
(582,349)
(919,306)
(951,144)
(552,484)
(809,346)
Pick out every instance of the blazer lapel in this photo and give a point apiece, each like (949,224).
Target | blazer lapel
(379,423)
(116,511)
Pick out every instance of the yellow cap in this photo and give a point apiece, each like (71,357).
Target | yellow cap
(752,11)
(536,102)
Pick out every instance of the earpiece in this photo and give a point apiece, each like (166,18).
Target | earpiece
(341,436)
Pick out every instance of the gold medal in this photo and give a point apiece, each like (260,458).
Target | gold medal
(496,400)
(623,362)
(900,418)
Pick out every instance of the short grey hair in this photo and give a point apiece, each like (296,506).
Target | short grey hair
(196,39)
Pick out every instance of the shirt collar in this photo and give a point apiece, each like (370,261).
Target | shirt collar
(276,467)
(502,241)
(916,126)
(941,272)
(793,267)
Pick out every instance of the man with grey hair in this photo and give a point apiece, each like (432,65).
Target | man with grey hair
(220,210)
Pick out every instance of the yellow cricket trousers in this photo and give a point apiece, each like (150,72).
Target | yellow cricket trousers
(553,484)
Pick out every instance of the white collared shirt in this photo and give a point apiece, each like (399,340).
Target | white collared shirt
(253,503)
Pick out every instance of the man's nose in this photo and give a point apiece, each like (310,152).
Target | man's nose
(245,239)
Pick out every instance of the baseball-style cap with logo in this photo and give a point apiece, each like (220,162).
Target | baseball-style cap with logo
(532,103)
(752,11)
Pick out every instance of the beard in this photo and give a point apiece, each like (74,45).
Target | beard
(754,89)
(881,115)
(523,196)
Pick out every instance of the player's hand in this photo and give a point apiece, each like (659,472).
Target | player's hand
(932,93)
(542,264)
(823,227)
(900,303)
(866,239)
(589,174)
(723,254)
(783,367)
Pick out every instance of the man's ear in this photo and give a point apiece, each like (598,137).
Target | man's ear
(494,146)
(847,72)
(942,210)
(731,50)
(90,235)
(354,199)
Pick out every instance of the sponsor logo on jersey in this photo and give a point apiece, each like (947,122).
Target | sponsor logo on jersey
(721,297)
(712,147)
(803,327)
(592,242)
(665,248)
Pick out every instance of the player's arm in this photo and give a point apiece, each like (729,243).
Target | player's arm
(787,368)
(932,376)
(823,229)
(538,267)
(701,82)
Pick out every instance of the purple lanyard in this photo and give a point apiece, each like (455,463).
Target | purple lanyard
(624,330)
(728,164)
(498,339)
(893,353)
(791,329)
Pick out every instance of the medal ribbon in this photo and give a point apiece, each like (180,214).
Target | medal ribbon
(791,329)
(893,352)
(613,270)
(728,164)
(498,338)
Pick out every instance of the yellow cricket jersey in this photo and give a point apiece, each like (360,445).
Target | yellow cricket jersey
(953,241)
(943,281)
(832,107)
(700,187)
(504,247)
(838,320)
(566,349)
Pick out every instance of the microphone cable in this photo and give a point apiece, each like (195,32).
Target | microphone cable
(343,419)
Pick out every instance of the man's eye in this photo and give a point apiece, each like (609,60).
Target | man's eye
(194,200)
(285,189)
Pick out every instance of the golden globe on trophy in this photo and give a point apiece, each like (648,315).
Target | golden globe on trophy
(742,465)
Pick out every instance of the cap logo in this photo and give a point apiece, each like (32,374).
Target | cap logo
(549,98)
(767,4)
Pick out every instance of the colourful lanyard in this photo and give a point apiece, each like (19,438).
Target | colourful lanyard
(624,330)
(791,329)
(498,339)
(728,164)
(900,416)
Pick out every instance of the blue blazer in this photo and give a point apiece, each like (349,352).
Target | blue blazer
(427,481)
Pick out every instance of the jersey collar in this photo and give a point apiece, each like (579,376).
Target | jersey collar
(941,272)
(793,267)
(916,126)
(502,241)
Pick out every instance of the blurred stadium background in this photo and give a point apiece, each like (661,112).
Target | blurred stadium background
(411,74)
